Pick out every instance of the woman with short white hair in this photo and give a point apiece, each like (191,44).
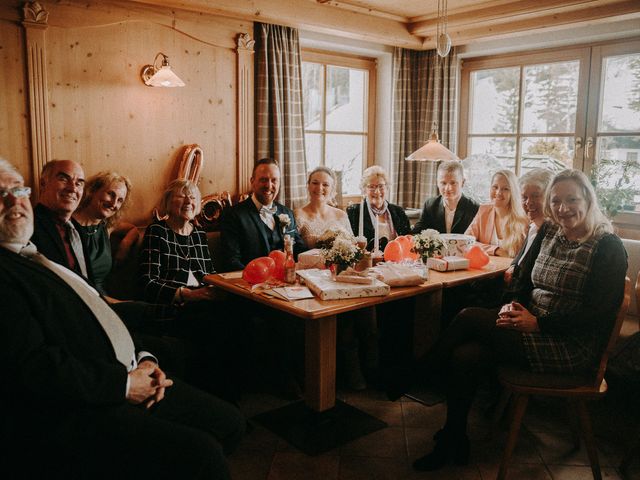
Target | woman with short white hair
(533,185)
(173,261)
(392,220)
(175,253)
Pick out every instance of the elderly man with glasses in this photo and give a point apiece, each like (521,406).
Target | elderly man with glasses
(79,401)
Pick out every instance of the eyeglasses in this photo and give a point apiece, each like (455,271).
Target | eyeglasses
(17,192)
(373,188)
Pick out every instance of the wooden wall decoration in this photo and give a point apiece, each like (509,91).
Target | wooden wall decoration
(88,103)
(35,25)
(245,111)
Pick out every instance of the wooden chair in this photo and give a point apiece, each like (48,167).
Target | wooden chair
(575,388)
(635,443)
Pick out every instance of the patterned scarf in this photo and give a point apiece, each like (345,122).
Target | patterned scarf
(382,212)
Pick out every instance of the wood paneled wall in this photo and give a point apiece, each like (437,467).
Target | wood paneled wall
(102,115)
(14,120)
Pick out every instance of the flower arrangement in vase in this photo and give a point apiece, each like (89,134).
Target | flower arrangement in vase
(428,243)
(339,250)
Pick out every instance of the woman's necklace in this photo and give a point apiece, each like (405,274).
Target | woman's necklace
(186,256)
(91,230)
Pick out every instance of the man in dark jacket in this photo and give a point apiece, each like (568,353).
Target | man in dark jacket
(256,226)
(79,401)
(451,211)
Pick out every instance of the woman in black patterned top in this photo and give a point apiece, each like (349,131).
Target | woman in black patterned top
(175,254)
(558,321)
(173,261)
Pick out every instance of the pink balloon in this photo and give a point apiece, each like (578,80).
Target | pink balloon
(393,252)
(278,257)
(477,257)
(259,270)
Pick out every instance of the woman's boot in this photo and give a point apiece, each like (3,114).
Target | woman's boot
(449,448)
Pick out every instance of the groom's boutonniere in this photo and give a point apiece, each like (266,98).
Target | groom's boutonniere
(285,221)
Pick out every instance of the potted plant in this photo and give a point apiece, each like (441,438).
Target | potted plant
(613,196)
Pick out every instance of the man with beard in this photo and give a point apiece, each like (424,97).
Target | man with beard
(78,401)
(253,228)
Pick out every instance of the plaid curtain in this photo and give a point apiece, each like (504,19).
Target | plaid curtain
(279,122)
(424,91)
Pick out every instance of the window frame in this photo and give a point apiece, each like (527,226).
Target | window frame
(590,85)
(348,61)
(521,60)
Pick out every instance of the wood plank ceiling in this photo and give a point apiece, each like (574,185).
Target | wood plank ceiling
(412,23)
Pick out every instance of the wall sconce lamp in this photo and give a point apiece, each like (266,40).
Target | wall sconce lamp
(163,76)
(433,150)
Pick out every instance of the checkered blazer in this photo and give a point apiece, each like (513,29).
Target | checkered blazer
(575,292)
(166,259)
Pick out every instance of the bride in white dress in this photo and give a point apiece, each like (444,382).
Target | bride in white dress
(318,216)
(356,328)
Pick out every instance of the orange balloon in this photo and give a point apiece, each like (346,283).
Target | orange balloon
(407,250)
(259,270)
(477,257)
(278,257)
(406,243)
(393,252)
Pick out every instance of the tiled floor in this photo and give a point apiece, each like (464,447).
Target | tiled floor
(544,449)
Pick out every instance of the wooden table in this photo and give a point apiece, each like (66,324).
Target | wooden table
(320,320)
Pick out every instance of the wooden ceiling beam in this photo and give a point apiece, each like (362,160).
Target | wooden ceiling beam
(309,16)
(510,12)
(461,35)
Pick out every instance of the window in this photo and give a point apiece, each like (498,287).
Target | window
(613,135)
(338,115)
(569,108)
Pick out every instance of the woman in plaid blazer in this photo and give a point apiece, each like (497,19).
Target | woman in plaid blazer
(557,322)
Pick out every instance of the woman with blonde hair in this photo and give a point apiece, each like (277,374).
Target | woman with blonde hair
(555,323)
(500,227)
(106,196)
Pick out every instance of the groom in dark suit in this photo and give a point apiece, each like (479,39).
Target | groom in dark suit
(255,227)
(252,229)
(78,400)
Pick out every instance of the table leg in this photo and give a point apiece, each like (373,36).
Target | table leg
(426,322)
(320,363)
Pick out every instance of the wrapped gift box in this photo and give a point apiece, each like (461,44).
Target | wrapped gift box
(310,259)
(446,264)
(456,244)
(322,285)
